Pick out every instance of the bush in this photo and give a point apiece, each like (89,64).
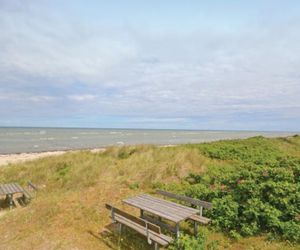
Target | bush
(262,195)
(291,231)
(227,213)
(187,242)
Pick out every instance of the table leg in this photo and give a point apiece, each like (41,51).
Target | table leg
(195,228)
(177,231)
(10,200)
(120,228)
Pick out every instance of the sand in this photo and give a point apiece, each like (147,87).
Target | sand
(16,158)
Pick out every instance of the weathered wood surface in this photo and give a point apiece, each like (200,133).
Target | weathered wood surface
(200,219)
(11,188)
(134,218)
(14,194)
(159,223)
(190,200)
(162,240)
(162,208)
(139,225)
(16,202)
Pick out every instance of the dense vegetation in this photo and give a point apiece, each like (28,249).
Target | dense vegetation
(253,184)
(260,195)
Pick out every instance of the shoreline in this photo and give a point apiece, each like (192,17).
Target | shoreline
(6,159)
(12,158)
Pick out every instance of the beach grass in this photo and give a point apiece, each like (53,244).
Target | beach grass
(68,211)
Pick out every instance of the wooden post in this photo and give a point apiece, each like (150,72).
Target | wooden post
(156,246)
(10,200)
(177,231)
(201,211)
(148,235)
(113,215)
(120,228)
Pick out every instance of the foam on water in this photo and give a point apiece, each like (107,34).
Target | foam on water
(19,140)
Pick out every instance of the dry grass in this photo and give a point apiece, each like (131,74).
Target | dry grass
(68,211)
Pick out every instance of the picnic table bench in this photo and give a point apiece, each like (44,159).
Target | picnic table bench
(149,230)
(199,203)
(169,210)
(12,191)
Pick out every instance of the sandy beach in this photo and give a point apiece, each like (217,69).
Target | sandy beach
(15,158)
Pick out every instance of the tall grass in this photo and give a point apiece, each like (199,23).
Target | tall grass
(68,211)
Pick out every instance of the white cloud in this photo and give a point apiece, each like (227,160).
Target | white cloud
(41,98)
(46,56)
(82,97)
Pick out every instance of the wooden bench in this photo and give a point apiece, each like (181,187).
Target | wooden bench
(27,195)
(143,227)
(32,186)
(16,202)
(15,194)
(199,203)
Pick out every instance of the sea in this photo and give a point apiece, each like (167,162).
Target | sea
(27,140)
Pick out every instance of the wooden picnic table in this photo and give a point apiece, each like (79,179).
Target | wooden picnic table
(11,189)
(168,210)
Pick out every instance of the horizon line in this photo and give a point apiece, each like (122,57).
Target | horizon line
(177,129)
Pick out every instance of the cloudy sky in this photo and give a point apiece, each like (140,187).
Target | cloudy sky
(150,64)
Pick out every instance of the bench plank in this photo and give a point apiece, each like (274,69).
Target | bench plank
(200,219)
(16,202)
(192,201)
(140,225)
(30,184)
(134,218)
(162,240)
(160,223)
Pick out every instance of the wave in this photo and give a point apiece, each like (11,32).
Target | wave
(47,139)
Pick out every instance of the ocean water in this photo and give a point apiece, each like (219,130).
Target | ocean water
(21,140)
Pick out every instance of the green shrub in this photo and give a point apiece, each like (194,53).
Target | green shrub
(266,199)
(262,195)
(134,185)
(226,212)
(188,242)
(291,231)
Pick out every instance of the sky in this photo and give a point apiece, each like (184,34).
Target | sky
(219,65)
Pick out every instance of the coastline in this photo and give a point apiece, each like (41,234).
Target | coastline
(11,158)
(6,159)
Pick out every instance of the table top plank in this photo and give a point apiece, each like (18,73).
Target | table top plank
(171,209)
(165,209)
(153,210)
(11,188)
(158,206)
(170,203)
